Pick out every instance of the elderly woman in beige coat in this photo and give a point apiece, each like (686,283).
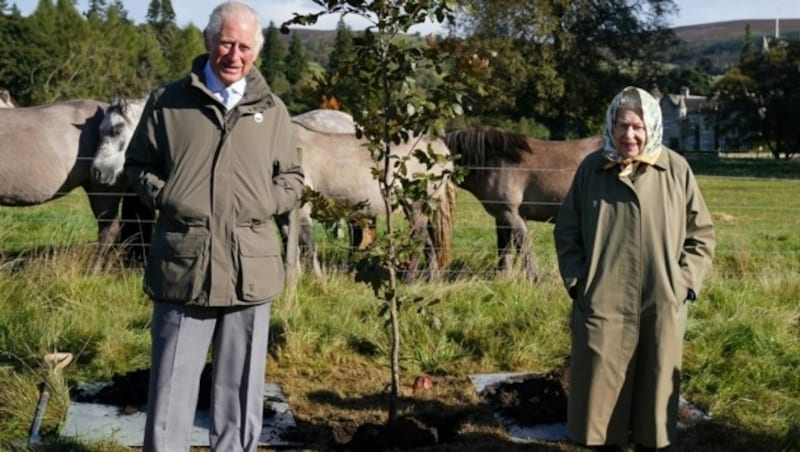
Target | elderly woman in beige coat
(634,240)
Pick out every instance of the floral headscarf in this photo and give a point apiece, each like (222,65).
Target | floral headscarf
(651,115)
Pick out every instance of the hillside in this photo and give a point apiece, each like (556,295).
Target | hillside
(734,29)
(317,43)
(717,43)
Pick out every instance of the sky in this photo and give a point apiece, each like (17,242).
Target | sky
(691,11)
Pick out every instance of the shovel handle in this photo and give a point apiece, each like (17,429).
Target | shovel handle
(44,396)
(57,361)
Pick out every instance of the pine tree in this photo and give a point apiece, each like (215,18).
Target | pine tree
(296,63)
(343,51)
(748,47)
(167,14)
(44,13)
(153,11)
(188,43)
(337,85)
(96,8)
(64,28)
(273,54)
(25,45)
(117,9)
(110,56)
(161,19)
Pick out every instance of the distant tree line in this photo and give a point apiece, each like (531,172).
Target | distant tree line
(760,98)
(57,53)
(551,66)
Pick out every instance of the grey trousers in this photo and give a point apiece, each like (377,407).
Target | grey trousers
(181,336)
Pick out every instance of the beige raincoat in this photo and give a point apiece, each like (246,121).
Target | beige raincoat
(630,247)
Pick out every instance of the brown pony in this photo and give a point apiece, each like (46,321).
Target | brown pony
(517,178)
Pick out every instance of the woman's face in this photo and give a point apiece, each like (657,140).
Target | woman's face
(629,133)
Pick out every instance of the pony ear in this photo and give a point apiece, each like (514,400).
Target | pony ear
(120,101)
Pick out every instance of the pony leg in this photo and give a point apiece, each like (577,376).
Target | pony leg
(282,221)
(521,241)
(136,231)
(308,246)
(431,253)
(422,230)
(105,207)
(504,256)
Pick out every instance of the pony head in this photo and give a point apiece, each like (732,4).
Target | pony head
(116,130)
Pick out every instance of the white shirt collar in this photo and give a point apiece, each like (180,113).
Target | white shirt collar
(228,95)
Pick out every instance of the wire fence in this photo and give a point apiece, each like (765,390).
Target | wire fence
(474,251)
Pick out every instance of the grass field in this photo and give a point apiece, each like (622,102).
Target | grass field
(329,349)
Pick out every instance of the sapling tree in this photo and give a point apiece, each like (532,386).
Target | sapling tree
(390,108)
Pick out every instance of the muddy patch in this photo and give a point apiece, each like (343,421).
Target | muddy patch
(529,399)
(533,406)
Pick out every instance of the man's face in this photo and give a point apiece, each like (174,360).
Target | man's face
(231,54)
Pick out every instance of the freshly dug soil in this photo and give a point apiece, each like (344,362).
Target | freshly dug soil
(541,398)
(129,391)
(531,399)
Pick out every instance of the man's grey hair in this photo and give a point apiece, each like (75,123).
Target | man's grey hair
(237,11)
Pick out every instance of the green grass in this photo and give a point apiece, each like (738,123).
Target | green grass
(763,168)
(64,222)
(329,348)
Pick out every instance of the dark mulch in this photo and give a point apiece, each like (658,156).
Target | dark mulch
(129,391)
(532,399)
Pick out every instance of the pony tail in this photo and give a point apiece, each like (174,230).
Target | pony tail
(443,224)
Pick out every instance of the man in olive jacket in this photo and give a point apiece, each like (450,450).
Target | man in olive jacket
(634,240)
(214,153)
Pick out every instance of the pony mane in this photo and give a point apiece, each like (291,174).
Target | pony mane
(116,107)
(130,109)
(479,146)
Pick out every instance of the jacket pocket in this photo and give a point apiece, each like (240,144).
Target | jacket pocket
(176,266)
(261,273)
(680,288)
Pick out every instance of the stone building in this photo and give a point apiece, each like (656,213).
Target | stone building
(690,122)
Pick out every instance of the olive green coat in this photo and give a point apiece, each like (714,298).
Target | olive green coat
(629,249)
(217,180)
